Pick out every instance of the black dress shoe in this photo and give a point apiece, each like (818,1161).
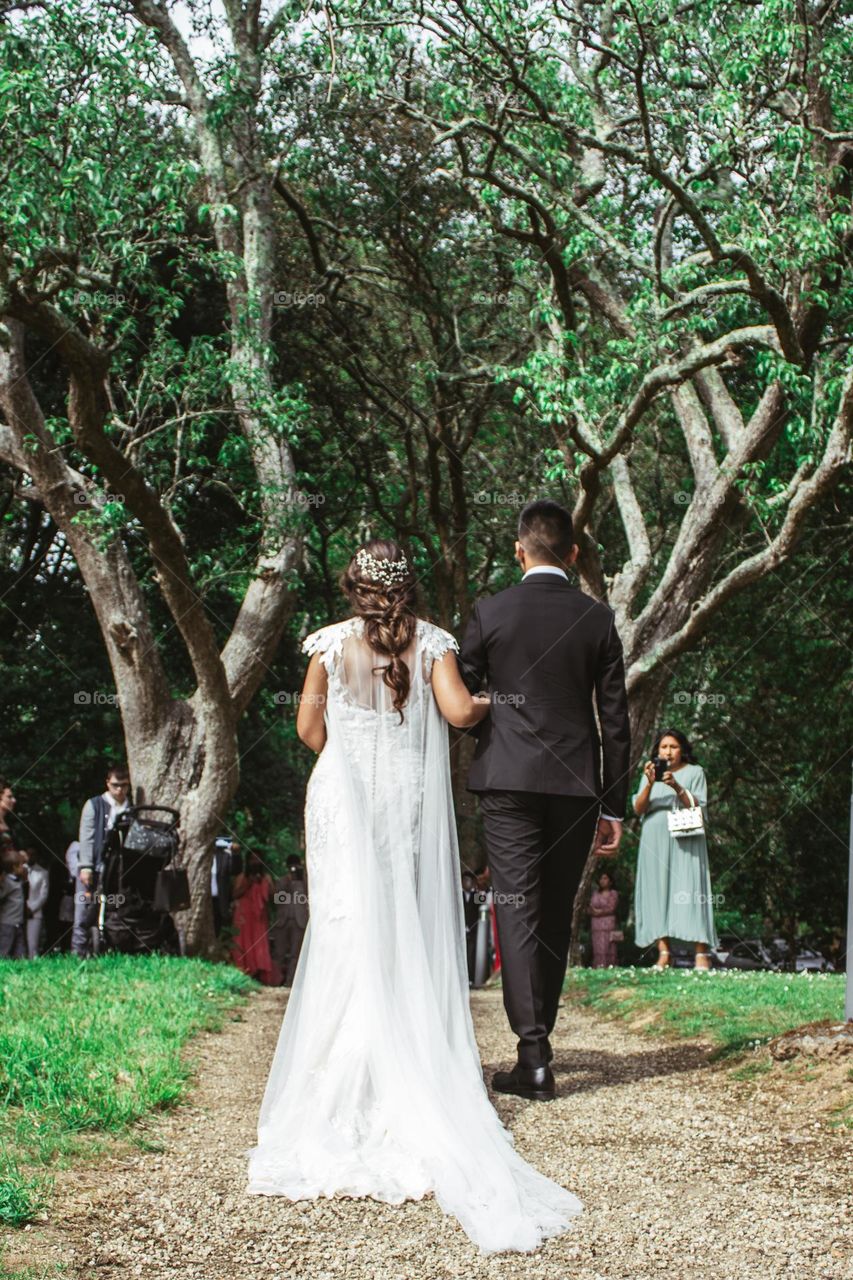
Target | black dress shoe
(536,1083)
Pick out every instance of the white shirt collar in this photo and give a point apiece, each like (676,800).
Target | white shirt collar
(546,568)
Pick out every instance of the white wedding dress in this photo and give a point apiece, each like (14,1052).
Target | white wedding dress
(376,1087)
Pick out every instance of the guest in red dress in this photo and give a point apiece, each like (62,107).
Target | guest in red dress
(603,905)
(252,890)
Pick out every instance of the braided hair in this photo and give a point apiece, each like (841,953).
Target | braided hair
(384,595)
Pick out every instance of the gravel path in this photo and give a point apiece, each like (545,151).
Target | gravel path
(683,1171)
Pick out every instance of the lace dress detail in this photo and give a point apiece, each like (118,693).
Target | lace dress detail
(376,1087)
(328,642)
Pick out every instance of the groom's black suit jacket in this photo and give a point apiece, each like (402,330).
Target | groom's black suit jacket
(543,647)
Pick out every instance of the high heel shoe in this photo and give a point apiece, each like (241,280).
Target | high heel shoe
(663,960)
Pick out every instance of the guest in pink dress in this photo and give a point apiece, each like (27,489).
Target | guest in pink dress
(603,905)
(252,891)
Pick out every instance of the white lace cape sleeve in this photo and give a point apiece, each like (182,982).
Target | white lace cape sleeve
(435,642)
(327,642)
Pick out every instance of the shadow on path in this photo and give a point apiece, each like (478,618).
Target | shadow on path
(581,1070)
(586,1070)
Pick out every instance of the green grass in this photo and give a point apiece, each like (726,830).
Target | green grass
(88,1048)
(734,1010)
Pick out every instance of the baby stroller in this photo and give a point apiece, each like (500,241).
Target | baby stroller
(135,897)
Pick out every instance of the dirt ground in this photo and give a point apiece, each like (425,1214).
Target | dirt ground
(685,1169)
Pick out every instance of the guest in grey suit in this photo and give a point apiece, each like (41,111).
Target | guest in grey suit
(12,874)
(38,880)
(96,820)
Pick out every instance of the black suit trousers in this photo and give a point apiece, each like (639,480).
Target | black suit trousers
(538,845)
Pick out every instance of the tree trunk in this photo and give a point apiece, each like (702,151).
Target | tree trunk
(167,742)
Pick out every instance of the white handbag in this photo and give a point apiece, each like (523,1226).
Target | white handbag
(686,822)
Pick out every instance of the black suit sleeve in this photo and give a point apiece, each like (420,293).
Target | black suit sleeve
(612,701)
(472,656)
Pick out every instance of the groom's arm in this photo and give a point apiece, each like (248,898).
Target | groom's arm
(472,655)
(611,699)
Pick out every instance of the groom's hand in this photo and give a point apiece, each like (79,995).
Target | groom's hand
(607,838)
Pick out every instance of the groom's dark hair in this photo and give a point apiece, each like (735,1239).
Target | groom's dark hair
(545,530)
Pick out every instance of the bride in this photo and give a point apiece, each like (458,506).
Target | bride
(376,1087)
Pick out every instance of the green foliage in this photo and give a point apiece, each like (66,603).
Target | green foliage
(88,179)
(423,366)
(728,95)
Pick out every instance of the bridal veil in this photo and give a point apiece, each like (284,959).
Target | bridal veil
(376,1087)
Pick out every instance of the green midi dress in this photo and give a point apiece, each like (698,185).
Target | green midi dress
(673,890)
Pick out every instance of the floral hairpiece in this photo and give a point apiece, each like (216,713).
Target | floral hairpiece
(388,572)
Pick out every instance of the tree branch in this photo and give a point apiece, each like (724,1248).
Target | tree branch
(87,411)
(117,599)
(836,457)
(678,371)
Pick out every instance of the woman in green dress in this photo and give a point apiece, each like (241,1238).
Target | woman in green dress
(673,890)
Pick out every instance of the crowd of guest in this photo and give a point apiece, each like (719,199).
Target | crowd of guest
(672,898)
(264,920)
(26,882)
(24,886)
(267,918)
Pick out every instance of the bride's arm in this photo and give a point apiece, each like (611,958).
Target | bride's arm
(455,703)
(310,723)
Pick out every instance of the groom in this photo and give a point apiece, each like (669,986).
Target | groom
(543,647)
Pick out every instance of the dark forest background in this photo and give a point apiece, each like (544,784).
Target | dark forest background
(464,253)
